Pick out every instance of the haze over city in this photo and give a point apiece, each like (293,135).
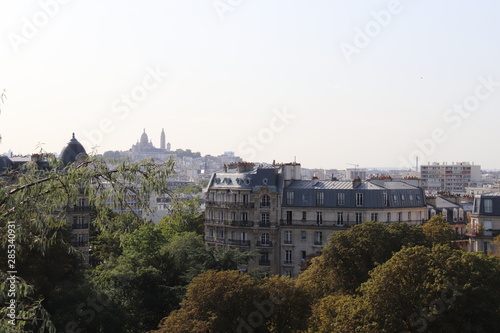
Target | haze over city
(371,83)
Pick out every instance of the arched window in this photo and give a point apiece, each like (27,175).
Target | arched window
(265,201)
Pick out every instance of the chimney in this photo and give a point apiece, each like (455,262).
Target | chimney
(356,182)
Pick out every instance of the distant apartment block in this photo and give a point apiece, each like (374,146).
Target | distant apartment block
(286,219)
(355,173)
(452,178)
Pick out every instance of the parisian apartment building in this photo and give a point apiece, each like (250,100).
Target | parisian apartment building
(485,223)
(286,219)
(451,178)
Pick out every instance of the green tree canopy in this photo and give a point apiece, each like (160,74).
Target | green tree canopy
(350,255)
(215,302)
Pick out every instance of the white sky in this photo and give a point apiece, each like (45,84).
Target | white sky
(228,77)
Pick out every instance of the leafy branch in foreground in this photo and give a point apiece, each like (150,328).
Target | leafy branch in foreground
(38,200)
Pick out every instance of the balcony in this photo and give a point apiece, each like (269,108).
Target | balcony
(482,233)
(308,223)
(80,226)
(80,209)
(264,262)
(233,205)
(79,243)
(239,242)
(287,262)
(263,244)
(287,241)
(265,224)
(209,238)
(239,223)
(317,242)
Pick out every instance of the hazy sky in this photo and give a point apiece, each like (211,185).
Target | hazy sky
(373,83)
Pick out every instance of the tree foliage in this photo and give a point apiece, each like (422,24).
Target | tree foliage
(437,289)
(350,255)
(38,199)
(185,216)
(215,302)
(438,231)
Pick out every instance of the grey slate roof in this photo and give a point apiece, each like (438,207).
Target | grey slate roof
(443,203)
(253,179)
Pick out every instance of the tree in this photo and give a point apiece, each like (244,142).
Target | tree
(107,240)
(222,302)
(37,201)
(432,290)
(338,313)
(350,255)
(288,305)
(438,231)
(185,216)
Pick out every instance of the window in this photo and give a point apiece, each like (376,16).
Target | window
(418,197)
(475,208)
(288,273)
(340,218)
(319,218)
(244,198)
(318,238)
(221,216)
(488,206)
(211,232)
(400,217)
(359,199)
(264,259)
(410,197)
(409,216)
(402,197)
(79,222)
(359,218)
(303,255)
(264,218)
(288,256)
(303,235)
(320,198)
(289,198)
(264,238)
(304,214)
(265,201)
(233,216)
(211,215)
(386,199)
(220,234)
(243,236)
(388,217)
(374,217)
(244,217)
(340,199)
(288,217)
(288,237)
(394,197)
